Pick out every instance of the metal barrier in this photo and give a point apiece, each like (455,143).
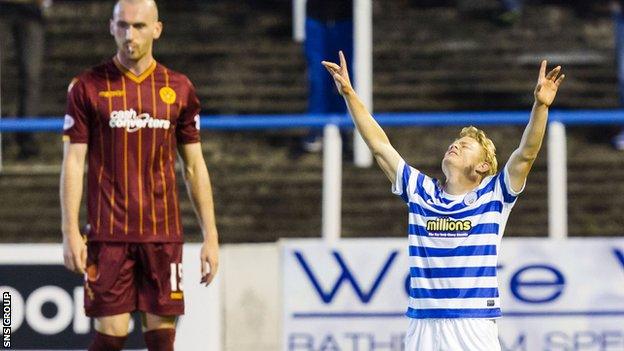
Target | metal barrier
(332,162)
(288,121)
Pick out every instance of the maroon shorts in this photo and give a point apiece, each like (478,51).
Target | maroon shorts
(125,277)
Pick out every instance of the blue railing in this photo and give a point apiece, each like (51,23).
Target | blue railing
(557,195)
(286,121)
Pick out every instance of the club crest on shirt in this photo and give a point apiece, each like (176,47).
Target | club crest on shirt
(470,198)
(167,95)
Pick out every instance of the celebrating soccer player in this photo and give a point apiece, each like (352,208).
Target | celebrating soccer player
(129,116)
(455,226)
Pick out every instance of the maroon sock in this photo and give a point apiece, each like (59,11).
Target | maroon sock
(103,342)
(159,339)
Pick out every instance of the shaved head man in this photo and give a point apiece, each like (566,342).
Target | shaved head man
(130,118)
(135,26)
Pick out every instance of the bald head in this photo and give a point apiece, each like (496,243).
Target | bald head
(149,6)
(135,26)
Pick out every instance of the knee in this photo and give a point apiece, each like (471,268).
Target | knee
(114,326)
(113,330)
(153,322)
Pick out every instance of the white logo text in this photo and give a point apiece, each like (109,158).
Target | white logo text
(133,122)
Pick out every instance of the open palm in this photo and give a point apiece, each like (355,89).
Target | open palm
(548,84)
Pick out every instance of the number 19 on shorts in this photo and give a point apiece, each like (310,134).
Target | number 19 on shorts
(175,280)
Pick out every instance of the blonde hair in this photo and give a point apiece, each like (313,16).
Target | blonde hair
(486,143)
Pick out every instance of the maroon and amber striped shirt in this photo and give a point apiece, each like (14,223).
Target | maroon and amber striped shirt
(132,125)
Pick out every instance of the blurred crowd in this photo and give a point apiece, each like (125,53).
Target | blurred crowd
(328,27)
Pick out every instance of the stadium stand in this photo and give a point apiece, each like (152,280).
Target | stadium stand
(243,60)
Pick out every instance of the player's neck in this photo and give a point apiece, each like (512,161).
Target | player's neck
(458,184)
(136,67)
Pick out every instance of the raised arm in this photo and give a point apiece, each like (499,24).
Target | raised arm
(387,157)
(521,160)
(72,173)
(198,186)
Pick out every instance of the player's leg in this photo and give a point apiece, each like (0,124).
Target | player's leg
(111,332)
(341,34)
(618,140)
(110,293)
(116,325)
(30,39)
(158,331)
(160,295)
(314,50)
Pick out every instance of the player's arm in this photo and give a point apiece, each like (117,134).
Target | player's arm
(72,173)
(198,185)
(522,158)
(376,139)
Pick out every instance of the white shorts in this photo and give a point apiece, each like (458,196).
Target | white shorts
(458,334)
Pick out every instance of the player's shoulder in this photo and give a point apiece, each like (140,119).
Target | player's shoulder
(409,170)
(175,77)
(90,75)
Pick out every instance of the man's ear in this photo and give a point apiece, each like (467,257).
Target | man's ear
(157,30)
(483,168)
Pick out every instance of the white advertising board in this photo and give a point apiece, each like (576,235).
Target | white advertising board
(555,295)
(46,303)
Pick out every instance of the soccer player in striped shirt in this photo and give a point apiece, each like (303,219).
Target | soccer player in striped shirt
(455,226)
(129,117)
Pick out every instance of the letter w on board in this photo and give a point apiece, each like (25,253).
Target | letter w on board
(345,276)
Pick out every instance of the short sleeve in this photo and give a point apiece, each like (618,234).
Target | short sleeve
(76,124)
(401,184)
(187,130)
(509,195)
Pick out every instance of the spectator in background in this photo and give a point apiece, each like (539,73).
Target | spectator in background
(24,19)
(328,29)
(512,10)
(618,13)
(504,13)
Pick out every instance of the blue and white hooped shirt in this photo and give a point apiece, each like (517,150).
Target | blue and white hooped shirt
(454,244)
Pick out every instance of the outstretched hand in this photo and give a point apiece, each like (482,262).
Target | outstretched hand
(340,75)
(547,84)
